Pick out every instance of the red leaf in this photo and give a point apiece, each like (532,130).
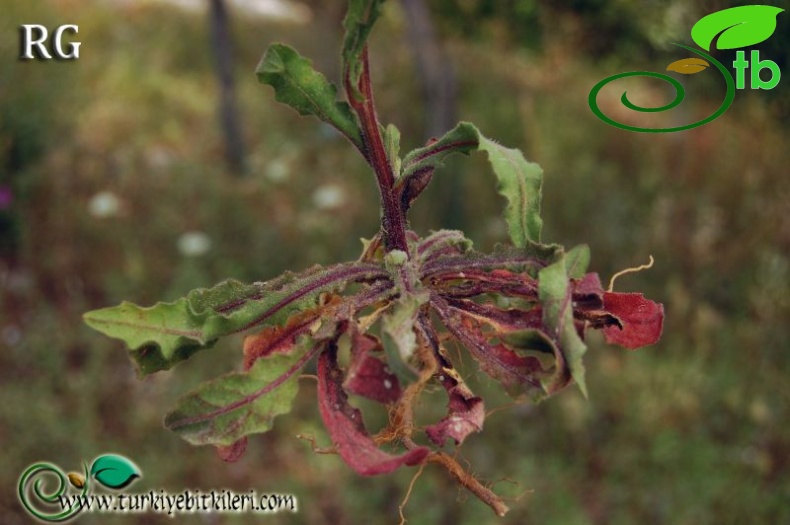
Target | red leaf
(466,411)
(517,373)
(277,338)
(588,292)
(642,320)
(233,452)
(346,427)
(368,376)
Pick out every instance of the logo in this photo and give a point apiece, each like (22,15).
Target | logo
(52,495)
(109,470)
(732,28)
(33,38)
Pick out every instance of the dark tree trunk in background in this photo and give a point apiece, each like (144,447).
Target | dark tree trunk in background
(228,114)
(435,73)
(438,85)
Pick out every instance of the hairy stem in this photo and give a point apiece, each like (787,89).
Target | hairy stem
(402,422)
(471,483)
(393,223)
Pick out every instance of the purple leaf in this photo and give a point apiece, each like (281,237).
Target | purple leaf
(517,373)
(466,411)
(367,375)
(442,243)
(588,292)
(346,427)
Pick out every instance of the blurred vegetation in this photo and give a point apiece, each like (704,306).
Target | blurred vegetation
(118,190)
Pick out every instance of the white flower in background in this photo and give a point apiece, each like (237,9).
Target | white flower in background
(104,204)
(284,10)
(277,170)
(193,244)
(329,196)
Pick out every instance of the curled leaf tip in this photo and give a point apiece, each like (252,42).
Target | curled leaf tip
(641,320)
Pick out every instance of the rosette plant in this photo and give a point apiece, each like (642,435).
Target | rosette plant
(521,312)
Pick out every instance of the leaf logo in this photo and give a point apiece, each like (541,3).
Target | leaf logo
(730,29)
(114,471)
(688,66)
(736,27)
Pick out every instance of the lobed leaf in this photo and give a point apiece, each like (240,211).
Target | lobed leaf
(225,410)
(518,180)
(298,85)
(158,336)
(520,183)
(346,428)
(165,334)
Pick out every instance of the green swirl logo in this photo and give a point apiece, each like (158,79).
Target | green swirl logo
(63,502)
(731,29)
(46,506)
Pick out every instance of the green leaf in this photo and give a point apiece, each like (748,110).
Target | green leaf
(224,410)
(443,243)
(158,336)
(400,340)
(463,138)
(555,295)
(359,20)
(577,260)
(529,339)
(298,85)
(114,471)
(519,181)
(392,146)
(167,333)
(739,26)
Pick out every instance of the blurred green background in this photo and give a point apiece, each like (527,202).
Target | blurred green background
(114,185)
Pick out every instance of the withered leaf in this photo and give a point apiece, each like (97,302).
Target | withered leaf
(346,428)
(465,411)
(642,320)
(367,375)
